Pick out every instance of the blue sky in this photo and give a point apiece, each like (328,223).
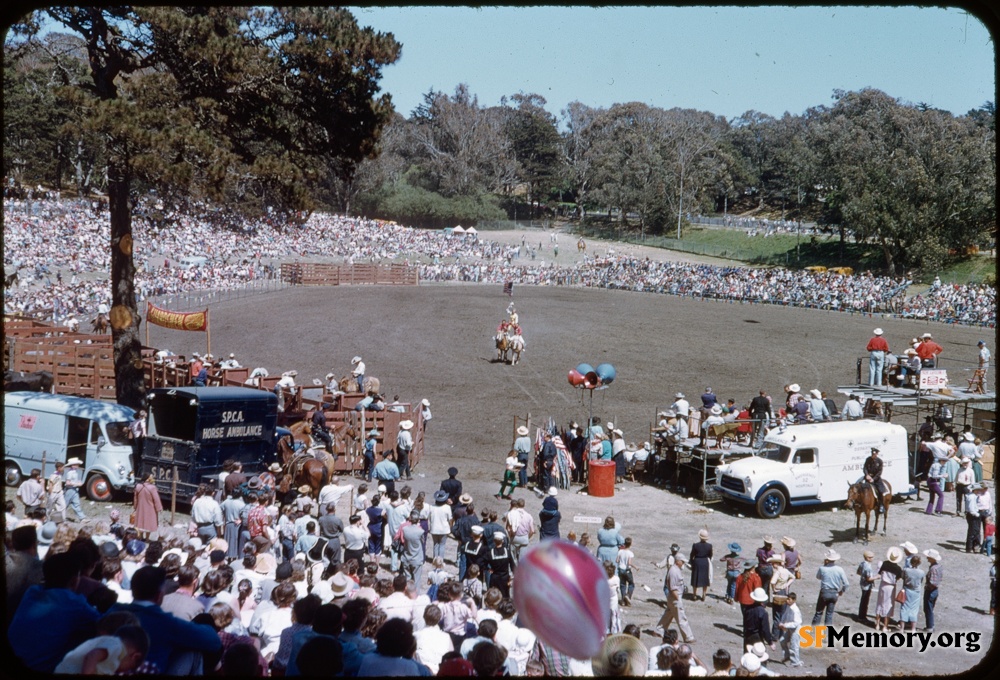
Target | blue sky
(726,60)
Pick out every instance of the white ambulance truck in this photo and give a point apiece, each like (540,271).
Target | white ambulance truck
(814,464)
(61,427)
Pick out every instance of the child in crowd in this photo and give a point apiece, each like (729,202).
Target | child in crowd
(472,586)
(438,576)
(120,647)
(989,530)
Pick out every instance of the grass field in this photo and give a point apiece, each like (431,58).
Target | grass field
(791,250)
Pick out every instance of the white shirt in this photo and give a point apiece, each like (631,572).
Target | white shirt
(332,493)
(984,357)
(397,606)
(432,644)
(359,369)
(506,635)
(439,519)
(681,407)
(205,510)
(269,626)
(852,409)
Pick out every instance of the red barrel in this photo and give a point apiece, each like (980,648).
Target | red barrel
(602,478)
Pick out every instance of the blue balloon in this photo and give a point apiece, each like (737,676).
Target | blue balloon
(606,372)
(584,369)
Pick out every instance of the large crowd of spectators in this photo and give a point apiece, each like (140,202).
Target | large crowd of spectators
(58,248)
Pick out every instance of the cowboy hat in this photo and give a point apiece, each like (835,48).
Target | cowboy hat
(758,595)
(794,387)
(877,331)
(255,484)
(758,650)
(610,426)
(274,467)
(968,436)
(266,564)
(617,432)
(909,548)
(74,461)
(735,547)
(750,662)
(356,360)
(716,410)
(553,491)
(894,554)
(522,431)
(703,534)
(679,395)
(440,496)
(933,554)
(340,584)
(425,402)
(831,555)
(405,424)
(217,543)
(926,336)
(768,539)
(816,393)
(747,564)
(47,532)
(465,499)
(306,489)
(608,661)
(776,559)
(788,541)
(373,432)
(910,351)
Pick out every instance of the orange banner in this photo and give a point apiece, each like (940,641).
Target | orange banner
(181,321)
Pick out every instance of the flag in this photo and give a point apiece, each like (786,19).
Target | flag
(508,288)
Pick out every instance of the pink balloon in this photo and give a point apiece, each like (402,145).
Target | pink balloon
(561,593)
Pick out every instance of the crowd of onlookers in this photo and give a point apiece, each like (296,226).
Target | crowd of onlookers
(58,250)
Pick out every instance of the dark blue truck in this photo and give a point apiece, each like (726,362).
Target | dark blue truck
(195,429)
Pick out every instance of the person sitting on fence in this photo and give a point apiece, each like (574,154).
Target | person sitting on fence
(319,430)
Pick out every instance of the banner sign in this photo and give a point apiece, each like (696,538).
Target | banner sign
(931,379)
(181,321)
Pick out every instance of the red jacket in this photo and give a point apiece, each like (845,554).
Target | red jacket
(877,343)
(745,586)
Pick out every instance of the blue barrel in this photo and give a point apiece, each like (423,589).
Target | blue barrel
(584,369)
(606,372)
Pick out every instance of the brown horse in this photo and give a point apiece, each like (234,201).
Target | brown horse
(503,346)
(581,246)
(101,325)
(305,468)
(349,385)
(861,496)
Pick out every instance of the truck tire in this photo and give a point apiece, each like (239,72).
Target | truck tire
(771,504)
(12,474)
(98,488)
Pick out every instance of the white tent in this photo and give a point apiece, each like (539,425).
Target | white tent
(458,230)
(471,230)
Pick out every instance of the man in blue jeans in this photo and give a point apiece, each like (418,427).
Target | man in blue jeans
(877,348)
(832,584)
(931,584)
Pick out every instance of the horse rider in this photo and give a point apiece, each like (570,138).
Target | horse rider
(873,475)
(319,430)
(513,315)
(358,372)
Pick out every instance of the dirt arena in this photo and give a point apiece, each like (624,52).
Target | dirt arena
(435,341)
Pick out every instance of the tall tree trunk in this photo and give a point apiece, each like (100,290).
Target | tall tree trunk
(130,387)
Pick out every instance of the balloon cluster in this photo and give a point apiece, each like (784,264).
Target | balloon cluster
(587,377)
(561,593)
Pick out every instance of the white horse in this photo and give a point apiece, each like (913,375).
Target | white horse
(516,343)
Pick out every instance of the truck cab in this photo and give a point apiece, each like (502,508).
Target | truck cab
(813,464)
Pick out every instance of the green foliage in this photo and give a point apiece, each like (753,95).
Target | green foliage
(418,206)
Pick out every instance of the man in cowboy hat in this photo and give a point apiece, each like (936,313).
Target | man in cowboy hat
(910,551)
(386,472)
(832,584)
(868,574)
(440,520)
(877,349)
(935,575)
(404,444)
(817,407)
(928,351)
(756,627)
(358,371)
(522,445)
(425,412)
(72,483)
(370,442)
(983,358)
(873,475)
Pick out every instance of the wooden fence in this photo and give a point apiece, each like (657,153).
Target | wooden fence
(320,274)
(80,364)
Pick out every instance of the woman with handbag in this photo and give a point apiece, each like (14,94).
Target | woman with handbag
(147,507)
(889,573)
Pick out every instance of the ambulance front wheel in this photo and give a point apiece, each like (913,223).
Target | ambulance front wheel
(98,488)
(771,504)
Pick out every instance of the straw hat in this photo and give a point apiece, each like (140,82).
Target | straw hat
(716,410)
(405,424)
(355,360)
(522,431)
(74,461)
(305,489)
(750,662)
(274,467)
(679,395)
(465,499)
(788,541)
(831,555)
(340,584)
(894,554)
(933,554)
(776,559)
(768,539)
(703,534)
(816,393)
(759,650)
(968,436)
(909,548)
(877,331)
(794,387)
(621,654)
(425,402)
(758,595)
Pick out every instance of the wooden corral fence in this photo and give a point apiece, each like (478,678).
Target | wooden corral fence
(80,364)
(321,274)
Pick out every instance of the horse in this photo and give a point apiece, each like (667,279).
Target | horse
(37,381)
(503,346)
(349,385)
(581,246)
(312,468)
(861,496)
(101,325)
(516,347)
(11,279)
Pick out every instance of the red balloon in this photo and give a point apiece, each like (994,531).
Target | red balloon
(576,379)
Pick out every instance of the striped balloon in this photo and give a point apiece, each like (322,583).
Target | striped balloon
(561,593)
